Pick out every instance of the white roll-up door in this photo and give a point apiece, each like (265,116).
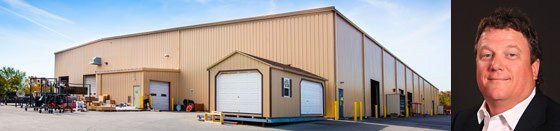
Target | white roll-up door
(239,92)
(90,80)
(159,91)
(311,98)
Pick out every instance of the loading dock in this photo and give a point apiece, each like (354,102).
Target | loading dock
(159,91)
(90,80)
(375,105)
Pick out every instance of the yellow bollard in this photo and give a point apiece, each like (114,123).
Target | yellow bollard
(384,111)
(141,101)
(213,118)
(335,110)
(431,112)
(355,111)
(361,111)
(376,112)
(406,110)
(151,104)
(221,119)
(205,116)
(171,104)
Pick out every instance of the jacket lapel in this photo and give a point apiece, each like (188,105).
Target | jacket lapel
(535,114)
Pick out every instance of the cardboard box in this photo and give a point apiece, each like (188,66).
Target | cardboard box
(96,103)
(103,108)
(91,108)
(112,102)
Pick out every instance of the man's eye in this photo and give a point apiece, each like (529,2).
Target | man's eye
(512,55)
(486,55)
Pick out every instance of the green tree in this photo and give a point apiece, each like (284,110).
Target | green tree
(445,99)
(11,80)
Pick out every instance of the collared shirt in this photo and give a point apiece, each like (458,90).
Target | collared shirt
(505,121)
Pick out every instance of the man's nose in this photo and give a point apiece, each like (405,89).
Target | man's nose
(496,64)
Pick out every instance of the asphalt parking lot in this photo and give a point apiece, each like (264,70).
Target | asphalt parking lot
(15,118)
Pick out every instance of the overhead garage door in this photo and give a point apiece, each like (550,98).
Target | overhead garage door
(159,91)
(239,92)
(90,80)
(311,98)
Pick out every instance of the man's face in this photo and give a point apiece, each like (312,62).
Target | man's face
(503,65)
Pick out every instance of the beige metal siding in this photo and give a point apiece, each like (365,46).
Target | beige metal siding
(389,78)
(304,41)
(372,70)
(240,62)
(418,94)
(285,106)
(400,76)
(119,85)
(409,88)
(422,95)
(349,60)
(409,81)
(426,92)
(124,53)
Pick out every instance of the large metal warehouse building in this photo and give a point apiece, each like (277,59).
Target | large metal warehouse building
(175,63)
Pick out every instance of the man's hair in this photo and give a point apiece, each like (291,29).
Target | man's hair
(513,18)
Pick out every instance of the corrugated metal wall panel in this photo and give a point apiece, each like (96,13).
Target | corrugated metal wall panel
(305,41)
(124,53)
(417,98)
(372,70)
(119,85)
(409,88)
(389,77)
(409,78)
(349,64)
(400,76)
(426,92)
(422,95)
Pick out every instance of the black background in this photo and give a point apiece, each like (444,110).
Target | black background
(465,16)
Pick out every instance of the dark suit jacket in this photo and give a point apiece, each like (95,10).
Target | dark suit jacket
(541,114)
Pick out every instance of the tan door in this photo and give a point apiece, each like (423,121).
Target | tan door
(136,92)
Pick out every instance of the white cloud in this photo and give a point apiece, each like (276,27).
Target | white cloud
(32,10)
(36,23)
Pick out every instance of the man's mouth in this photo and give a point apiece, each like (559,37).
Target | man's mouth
(497,78)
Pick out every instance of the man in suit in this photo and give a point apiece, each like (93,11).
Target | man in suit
(508,59)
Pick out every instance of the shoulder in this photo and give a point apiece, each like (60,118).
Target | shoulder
(552,113)
(464,114)
(544,114)
(464,118)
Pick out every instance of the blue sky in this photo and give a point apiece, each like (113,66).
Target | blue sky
(418,32)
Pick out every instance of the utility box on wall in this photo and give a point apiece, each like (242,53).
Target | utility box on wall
(395,104)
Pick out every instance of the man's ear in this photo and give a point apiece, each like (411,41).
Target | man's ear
(535,67)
